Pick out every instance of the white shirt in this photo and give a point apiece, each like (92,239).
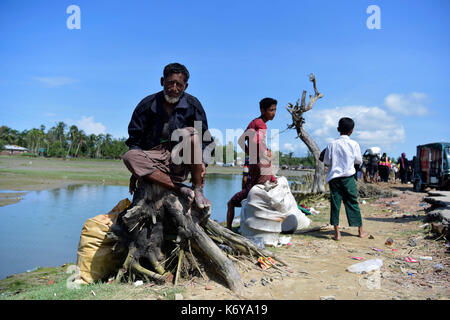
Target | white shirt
(341,156)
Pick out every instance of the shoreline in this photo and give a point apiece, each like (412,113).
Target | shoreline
(309,256)
(19,175)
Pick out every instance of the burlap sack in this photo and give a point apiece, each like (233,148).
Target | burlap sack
(95,258)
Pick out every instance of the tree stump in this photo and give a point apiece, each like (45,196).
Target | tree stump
(165,233)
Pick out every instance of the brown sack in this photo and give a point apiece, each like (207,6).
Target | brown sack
(95,258)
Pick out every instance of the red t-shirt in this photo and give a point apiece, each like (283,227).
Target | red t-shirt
(258,136)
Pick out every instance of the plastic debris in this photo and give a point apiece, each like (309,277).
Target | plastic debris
(426,258)
(412,260)
(366,266)
(357,258)
(266,263)
(284,240)
(138,283)
(389,241)
(376,249)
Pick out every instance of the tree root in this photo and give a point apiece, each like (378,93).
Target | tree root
(159,226)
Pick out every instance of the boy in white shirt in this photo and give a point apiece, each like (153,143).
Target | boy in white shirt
(341,155)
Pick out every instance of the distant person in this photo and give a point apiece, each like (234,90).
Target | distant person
(403,168)
(384,167)
(410,171)
(365,166)
(395,171)
(150,130)
(252,141)
(341,156)
(372,167)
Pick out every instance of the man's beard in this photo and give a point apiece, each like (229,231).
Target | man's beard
(170,99)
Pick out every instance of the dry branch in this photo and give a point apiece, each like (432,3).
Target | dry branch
(296,112)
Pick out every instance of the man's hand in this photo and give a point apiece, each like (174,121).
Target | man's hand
(133,181)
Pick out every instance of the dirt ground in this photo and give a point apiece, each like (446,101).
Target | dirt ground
(317,264)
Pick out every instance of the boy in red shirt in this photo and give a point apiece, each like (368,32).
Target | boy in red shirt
(252,141)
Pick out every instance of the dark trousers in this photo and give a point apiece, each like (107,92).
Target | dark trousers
(384,173)
(403,175)
(344,189)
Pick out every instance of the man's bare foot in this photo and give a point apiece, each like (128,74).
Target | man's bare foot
(362,234)
(200,199)
(337,234)
(187,193)
(337,237)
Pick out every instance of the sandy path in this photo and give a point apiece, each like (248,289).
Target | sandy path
(317,264)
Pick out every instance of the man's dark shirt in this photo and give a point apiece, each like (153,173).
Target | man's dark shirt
(148,120)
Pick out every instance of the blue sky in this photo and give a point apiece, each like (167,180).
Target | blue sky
(393,81)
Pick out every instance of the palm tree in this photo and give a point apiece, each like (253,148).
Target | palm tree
(81,138)
(59,132)
(99,144)
(72,135)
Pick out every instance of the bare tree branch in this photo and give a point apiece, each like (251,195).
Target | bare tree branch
(298,121)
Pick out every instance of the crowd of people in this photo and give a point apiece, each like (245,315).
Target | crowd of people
(376,168)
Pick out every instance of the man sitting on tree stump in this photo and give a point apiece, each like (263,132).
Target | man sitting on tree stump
(156,124)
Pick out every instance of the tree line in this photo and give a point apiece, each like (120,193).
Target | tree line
(63,141)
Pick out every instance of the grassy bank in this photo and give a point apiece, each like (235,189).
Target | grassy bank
(51,284)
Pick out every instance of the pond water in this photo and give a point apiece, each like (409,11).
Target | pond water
(43,229)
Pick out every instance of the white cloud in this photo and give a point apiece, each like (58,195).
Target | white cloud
(54,82)
(88,125)
(289,147)
(409,104)
(373,126)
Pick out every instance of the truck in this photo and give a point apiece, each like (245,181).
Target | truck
(431,166)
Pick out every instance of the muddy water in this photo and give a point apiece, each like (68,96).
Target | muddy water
(43,228)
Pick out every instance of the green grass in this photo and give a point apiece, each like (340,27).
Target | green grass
(91,176)
(35,285)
